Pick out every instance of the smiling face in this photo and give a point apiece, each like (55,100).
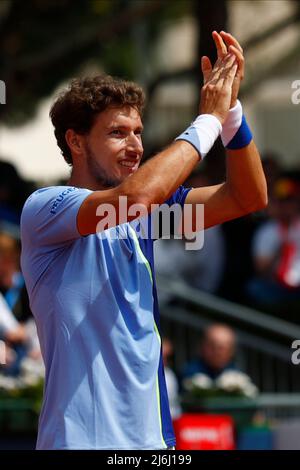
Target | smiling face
(113,147)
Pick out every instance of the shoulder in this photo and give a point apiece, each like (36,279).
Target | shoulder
(48,194)
(50,198)
(51,214)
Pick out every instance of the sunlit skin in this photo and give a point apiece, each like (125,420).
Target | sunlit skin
(98,156)
(110,152)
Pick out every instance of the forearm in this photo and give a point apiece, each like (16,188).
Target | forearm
(153,183)
(244,190)
(160,176)
(245,180)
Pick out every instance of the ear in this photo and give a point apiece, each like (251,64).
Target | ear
(74,141)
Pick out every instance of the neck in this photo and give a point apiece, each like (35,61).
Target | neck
(82,179)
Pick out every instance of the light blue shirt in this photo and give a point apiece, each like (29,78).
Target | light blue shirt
(95,305)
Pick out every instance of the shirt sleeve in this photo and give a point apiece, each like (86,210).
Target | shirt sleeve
(179,196)
(49,216)
(161,222)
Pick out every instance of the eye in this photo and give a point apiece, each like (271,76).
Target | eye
(116,132)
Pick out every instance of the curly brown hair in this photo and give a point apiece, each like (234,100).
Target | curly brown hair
(77,107)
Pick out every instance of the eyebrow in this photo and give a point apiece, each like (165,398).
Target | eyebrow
(117,126)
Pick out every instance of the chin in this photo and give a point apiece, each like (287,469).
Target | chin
(107,183)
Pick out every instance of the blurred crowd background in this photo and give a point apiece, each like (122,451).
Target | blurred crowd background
(230,311)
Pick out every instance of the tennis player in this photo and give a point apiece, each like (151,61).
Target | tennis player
(91,284)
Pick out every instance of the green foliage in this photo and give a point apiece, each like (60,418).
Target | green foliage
(34,394)
(45,42)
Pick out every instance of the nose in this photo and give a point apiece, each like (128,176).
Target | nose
(134,143)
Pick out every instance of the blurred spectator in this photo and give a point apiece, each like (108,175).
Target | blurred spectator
(171,379)
(204,268)
(238,236)
(10,329)
(17,326)
(201,268)
(13,193)
(12,332)
(215,352)
(12,284)
(213,371)
(276,250)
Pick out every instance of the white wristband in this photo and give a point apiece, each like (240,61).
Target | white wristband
(232,123)
(202,133)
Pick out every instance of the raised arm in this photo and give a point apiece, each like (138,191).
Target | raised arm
(160,176)
(245,189)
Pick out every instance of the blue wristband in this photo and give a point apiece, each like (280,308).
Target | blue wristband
(242,138)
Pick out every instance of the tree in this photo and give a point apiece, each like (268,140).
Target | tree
(43,42)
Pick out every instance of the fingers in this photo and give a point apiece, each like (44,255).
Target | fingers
(227,72)
(214,72)
(220,45)
(216,93)
(219,66)
(240,60)
(225,43)
(206,68)
(223,69)
(234,47)
(230,74)
(229,64)
(230,40)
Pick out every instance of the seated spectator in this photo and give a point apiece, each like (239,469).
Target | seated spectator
(199,268)
(10,329)
(171,379)
(215,354)
(17,327)
(203,269)
(14,336)
(276,251)
(213,371)
(12,284)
